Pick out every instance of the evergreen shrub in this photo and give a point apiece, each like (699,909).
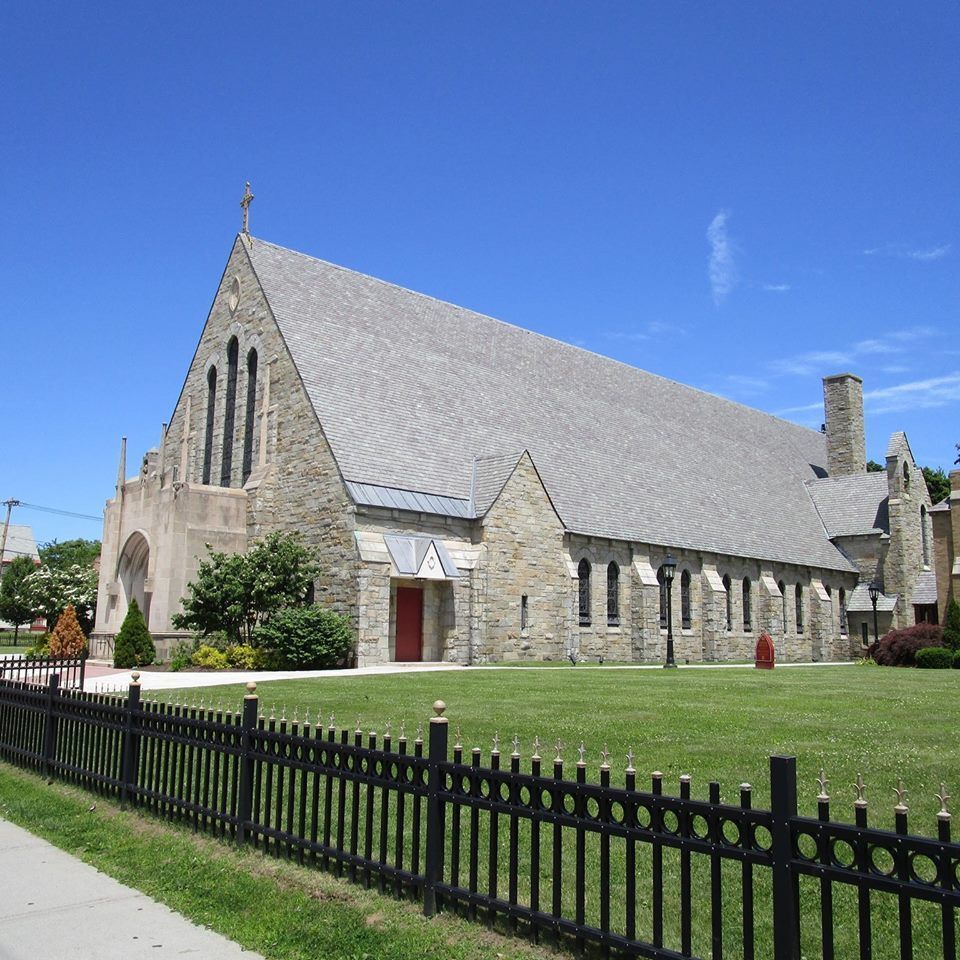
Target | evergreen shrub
(935,658)
(307,638)
(898,648)
(67,639)
(210,658)
(134,645)
(951,626)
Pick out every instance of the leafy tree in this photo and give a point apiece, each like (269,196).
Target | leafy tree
(134,645)
(49,591)
(67,639)
(237,592)
(938,483)
(15,608)
(951,626)
(62,556)
(874,467)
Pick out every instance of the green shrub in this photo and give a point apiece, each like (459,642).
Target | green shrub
(182,654)
(956,660)
(210,658)
(40,649)
(307,638)
(241,656)
(935,658)
(134,645)
(951,626)
(899,648)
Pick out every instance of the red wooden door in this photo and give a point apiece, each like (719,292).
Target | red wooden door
(409,624)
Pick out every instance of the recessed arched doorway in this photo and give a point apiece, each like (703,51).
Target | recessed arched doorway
(132,572)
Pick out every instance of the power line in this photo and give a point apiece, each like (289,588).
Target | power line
(62,513)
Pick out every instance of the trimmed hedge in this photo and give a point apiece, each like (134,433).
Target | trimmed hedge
(307,638)
(935,658)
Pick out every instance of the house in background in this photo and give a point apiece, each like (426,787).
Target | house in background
(20,542)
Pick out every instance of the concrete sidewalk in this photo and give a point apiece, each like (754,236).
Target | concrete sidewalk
(56,906)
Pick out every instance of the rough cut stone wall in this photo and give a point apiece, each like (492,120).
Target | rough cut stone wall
(295,484)
(904,559)
(611,641)
(524,554)
(946,537)
(843,409)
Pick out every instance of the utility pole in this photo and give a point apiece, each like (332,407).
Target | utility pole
(6,527)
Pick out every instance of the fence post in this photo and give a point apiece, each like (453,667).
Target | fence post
(248,724)
(436,754)
(50,726)
(131,739)
(783,806)
(83,667)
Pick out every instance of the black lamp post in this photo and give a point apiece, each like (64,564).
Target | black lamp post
(874,596)
(669,569)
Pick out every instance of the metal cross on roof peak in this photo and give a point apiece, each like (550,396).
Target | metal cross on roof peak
(245,204)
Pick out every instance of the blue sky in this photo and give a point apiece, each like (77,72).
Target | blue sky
(744,197)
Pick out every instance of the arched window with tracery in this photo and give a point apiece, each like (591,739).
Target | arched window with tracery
(729,602)
(747,614)
(211,413)
(583,577)
(229,412)
(613,594)
(798,600)
(686,618)
(783,604)
(250,413)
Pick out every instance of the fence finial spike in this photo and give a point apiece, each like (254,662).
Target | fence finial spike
(900,792)
(630,759)
(387,727)
(419,733)
(403,730)
(943,797)
(496,742)
(359,726)
(861,789)
(458,741)
(604,758)
(516,745)
(333,721)
(582,750)
(273,711)
(536,748)
(823,783)
(558,746)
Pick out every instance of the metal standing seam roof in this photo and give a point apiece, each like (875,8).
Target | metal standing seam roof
(853,505)
(623,453)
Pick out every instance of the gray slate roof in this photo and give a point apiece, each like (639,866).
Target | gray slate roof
(925,588)
(410,390)
(853,505)
(489,477)
(859,600)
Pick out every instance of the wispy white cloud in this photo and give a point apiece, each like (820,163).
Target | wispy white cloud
(811,363)
(922,394)
(896,368)
(806,408)
(648,330)
(873,346)
(721,266)
(906,252)
(912,333)
(776,287)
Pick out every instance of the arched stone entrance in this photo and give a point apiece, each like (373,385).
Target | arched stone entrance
(132,572)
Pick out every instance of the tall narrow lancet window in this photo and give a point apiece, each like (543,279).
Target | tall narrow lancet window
(211,411)
(613,595)
(251,410)
(662,580)
(747,616)
(799,607)
(924,539)
(583,591)
(783,604)
(685,617)
(229,412)
(843,612)
(729,602)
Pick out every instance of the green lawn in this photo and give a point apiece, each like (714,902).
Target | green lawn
(713,724)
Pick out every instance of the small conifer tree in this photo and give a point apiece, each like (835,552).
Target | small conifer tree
(951,626)
(67,639)
(134,645)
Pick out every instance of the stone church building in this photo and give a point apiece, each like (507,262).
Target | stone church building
(476,491)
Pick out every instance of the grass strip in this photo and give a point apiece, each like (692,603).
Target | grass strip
(280,910)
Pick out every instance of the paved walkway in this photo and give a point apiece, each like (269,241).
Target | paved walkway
(53,905)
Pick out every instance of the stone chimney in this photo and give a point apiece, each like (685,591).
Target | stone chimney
(846,443)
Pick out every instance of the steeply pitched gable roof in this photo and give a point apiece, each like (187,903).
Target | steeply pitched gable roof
(853,505)
(410,390)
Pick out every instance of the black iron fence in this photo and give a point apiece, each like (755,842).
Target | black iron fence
(634,872)
(71,670)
